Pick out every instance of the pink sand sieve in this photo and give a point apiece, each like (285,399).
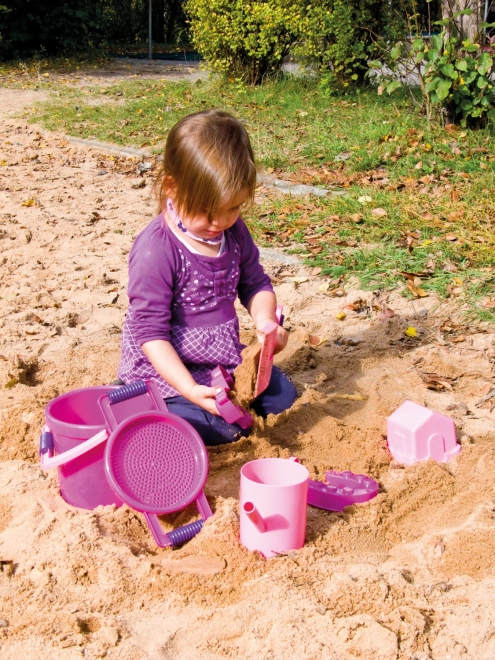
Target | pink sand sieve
(155,462)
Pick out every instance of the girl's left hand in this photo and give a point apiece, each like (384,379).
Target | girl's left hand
(282,337)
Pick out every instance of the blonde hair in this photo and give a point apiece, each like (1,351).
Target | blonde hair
(208,160)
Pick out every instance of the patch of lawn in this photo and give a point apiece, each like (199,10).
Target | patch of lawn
(407,199)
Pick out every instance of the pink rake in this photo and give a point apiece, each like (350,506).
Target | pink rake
(155,462)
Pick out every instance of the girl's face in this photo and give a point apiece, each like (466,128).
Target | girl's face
(223,218)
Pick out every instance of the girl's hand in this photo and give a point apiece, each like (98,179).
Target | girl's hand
(282,336)
(204,397)
(282,339)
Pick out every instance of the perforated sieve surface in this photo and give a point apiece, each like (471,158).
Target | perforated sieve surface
(155,463)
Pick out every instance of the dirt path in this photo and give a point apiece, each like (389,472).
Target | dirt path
(410,574)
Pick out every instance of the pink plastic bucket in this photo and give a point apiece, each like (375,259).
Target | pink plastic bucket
(73,418)
(273,503)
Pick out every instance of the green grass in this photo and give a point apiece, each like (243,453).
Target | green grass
(438,182)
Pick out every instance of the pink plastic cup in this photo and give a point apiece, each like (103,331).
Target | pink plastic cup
(73,418)
(273,505)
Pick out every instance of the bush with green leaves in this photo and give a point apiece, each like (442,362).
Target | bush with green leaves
(453,73)
(247,39)
(339,36)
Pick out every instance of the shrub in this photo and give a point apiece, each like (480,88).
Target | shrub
(245,39)
(453,73)
(340,37)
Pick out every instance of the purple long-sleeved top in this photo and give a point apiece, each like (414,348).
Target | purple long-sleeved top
(187,299)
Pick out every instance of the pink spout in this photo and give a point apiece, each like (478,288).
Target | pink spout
(253,514)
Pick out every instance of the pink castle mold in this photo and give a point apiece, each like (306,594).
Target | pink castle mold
(415,433)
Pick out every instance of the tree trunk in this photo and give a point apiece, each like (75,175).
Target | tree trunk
(469,27)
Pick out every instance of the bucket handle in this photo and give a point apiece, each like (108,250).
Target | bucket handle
(48,460)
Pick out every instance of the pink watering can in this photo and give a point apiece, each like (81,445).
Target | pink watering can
(273,504)
(274,496)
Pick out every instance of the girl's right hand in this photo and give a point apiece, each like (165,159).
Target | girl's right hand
(204,397)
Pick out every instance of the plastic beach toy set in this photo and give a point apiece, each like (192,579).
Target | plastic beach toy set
(116,445)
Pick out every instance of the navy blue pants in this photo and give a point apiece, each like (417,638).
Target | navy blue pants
(214,430)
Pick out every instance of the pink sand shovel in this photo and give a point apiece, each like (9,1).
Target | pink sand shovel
(221,378)
(231,413)
(268,344)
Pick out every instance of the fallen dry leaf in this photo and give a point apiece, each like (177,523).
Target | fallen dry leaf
(298,280)
(417,291)
(357,305)
(435,381)
(379,212)
(485,389)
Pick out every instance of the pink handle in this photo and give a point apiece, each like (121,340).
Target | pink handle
(49,461)
(124,394)
(181,534)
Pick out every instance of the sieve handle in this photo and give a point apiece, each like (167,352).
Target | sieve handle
(176,536)
(181,534)
(48,461)
(127,392)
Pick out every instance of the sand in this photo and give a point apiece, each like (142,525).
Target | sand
(245,375)
(410,574)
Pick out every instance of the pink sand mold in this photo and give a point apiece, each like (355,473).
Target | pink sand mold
(340,490)
(231,413)
(155,462)
(415,433)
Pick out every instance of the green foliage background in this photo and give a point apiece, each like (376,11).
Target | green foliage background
(247,39)
(48,26)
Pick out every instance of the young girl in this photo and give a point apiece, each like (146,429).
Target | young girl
(187,267)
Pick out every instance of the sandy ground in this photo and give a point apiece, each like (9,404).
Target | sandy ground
(410,574)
